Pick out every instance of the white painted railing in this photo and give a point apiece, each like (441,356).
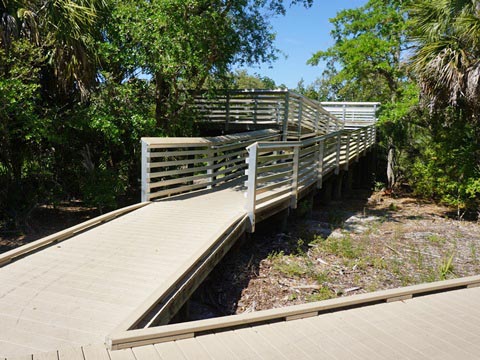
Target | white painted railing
(173,166)
(353,113)
(295,115)
(279,171)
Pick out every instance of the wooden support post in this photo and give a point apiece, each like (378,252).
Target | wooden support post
(251,184)
(347,154)
(344,116)
(321,152)
(145,170)
(338,186)
(296,163)
(347,184)
(326,192)
(337,158)
(317,121)
(278,112)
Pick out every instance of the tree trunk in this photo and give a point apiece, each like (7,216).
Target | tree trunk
(161,101)
(391,167)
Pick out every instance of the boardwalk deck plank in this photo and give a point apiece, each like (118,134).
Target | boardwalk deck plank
(215,348)
(147,352)
(70,353)
(192,350)
(169,351)
(95,352)
(79,290)
(124,354)
(51,355)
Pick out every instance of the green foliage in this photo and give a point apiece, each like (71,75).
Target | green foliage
(446,267)
(21,130)
(343,246)
(323,294)
(242,80)
(445,58)
(74,100)
(198,40)
(367,52)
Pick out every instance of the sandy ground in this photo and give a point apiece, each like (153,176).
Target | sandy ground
(368,243)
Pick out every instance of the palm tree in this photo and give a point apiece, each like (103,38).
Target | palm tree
(446,59)
(65,30)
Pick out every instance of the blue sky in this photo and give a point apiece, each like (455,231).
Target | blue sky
(300,34)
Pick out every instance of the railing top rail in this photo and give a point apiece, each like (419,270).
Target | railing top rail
(365,103)
(275,145)
(217,140)
(245,91)
(282,144)
(313,103)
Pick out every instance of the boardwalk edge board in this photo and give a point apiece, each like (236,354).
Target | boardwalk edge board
(27,249)
(132,338)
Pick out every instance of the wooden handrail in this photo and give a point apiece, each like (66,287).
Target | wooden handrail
(171,166)
(309,162)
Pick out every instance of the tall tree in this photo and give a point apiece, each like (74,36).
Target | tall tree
(65,31)
(446,56)
(182,43)
(365,60)
(446,63)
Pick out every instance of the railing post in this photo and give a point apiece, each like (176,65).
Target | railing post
(145,170)
(347,154)
(337,159)
(321,153)
(227,112)
(251,183)
(285,117)
(255,109)
(296,164)
(300,114)
(210,164)
(317,120)
(327,128)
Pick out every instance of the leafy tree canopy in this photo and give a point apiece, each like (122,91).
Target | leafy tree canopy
(365,60)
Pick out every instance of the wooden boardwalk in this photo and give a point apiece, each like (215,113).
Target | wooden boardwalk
(78,291)
(443,325)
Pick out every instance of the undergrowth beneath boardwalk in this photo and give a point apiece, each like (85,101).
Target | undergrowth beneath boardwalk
(348,247)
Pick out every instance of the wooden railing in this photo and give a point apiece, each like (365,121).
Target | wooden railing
(353,113)
(295,115)
(279,171)
(173,166)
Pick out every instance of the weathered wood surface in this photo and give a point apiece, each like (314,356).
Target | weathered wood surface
(77,291)
(444,325)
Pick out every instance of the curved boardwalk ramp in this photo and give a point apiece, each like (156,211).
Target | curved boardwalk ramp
(116,274)
(77,291)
